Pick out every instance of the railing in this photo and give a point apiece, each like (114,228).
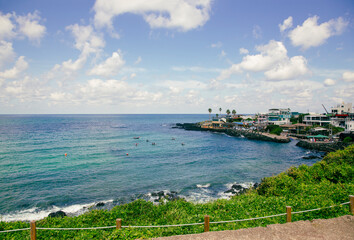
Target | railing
(33,229)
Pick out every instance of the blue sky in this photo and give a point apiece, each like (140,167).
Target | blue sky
(175,56)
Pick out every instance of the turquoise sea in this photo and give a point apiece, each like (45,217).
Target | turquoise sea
(105,163)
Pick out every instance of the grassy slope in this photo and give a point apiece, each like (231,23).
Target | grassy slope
(328,182)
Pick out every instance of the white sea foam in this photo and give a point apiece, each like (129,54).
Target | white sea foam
(227,195)
(198,197)
(203,186)
(38,214)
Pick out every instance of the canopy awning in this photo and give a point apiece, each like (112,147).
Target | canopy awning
(317,136)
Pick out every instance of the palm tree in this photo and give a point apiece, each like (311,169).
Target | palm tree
(228,112)
(234,112)
(220,111)
(209,110)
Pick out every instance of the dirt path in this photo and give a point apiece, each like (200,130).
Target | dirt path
(341,228)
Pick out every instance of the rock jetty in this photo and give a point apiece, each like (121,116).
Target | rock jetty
(236,133)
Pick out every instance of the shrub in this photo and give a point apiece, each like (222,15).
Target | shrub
(347,139)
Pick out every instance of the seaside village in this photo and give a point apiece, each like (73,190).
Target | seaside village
(335,125)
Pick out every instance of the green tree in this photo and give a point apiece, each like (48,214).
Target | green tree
(228,112)
(301,117)
(220,111)
(347,139)
(209,110)
(234,112)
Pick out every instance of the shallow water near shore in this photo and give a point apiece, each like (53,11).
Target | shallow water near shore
(106,163)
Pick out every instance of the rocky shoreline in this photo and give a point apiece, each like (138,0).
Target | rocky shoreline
(236,133)
(161,196)
(322,146)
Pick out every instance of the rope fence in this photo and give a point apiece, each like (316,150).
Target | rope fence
(206,222)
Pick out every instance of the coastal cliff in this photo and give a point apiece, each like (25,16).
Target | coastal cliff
(236,133)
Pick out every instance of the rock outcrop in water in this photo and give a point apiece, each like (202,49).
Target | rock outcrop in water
(237,189)
(170,196)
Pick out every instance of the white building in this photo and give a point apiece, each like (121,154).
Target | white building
(316,119)
(349,125)
(341,114)
(342,109)
(279,116)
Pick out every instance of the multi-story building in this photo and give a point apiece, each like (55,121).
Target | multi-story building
(343,108)
(341,113)
(279,116)
(349,124)
(316,119)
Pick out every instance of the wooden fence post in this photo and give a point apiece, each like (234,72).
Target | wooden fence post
(118,223)
(288,214)
(33,230)
(351,204)
(206,223)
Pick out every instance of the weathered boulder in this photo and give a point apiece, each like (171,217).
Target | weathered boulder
(100,204)
(57,214)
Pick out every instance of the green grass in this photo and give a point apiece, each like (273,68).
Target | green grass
(328,182)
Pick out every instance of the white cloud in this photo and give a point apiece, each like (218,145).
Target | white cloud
(348,76)
(97,91)
(133,75)
(6,27)
(310,34)
(243,51)
(257,32)
(7,53)
(181,85)
(68,67)
(270,54)
(273,60)
(86,39)
(288,23)
(329,82)
(25,90)
(20,66)
(138,60)
(216,45)
(223,53)
(30,27)
(179,14)
(288,69)
(195,69)
(59,96)
(345,92)
(110,67)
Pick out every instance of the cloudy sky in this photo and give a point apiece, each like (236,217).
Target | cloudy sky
(175,56)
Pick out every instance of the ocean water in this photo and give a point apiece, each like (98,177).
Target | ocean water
(105,163)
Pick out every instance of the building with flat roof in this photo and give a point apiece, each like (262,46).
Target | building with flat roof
(343,108)
(317,119)
(279,116)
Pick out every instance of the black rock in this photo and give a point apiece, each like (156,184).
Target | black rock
(237,187)
(100,204)
(161,194)
(256,185)
(230,191)
(172,196)
(57,214)
(310,157)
